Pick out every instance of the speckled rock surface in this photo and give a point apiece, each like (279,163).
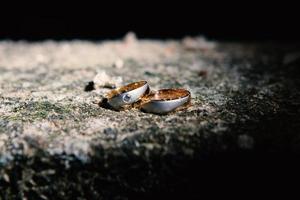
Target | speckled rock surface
(56,142)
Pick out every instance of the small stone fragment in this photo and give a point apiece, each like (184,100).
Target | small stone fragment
(119,64)
(130,38)
(89,86)
(103,80)
(202,73)
(6,178)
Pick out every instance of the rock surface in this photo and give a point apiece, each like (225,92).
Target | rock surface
(56,142)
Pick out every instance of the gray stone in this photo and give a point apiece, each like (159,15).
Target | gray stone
(55,138)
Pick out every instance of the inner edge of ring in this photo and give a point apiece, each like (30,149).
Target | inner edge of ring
(147,98)
(125,89)
(150,97)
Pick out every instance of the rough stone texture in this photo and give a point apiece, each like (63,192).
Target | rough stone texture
(56,142)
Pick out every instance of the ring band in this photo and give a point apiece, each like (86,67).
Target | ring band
(166,100)
(127,94)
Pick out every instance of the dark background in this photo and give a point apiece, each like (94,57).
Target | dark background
(250,23)
(150,20)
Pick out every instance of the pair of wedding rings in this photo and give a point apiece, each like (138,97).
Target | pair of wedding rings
(160,102)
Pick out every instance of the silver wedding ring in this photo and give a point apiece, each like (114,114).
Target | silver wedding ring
(127,94)
(160,102)
(166,100)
